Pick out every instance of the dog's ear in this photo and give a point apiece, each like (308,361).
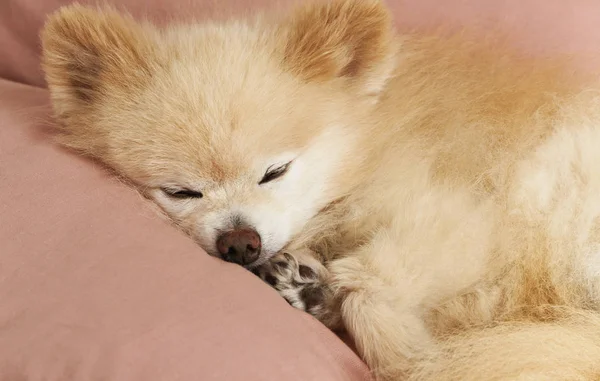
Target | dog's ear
(86,52)
(351,39)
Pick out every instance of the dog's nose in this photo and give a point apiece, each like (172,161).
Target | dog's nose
(241,246)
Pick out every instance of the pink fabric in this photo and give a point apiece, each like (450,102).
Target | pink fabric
(540,27)
(94,286)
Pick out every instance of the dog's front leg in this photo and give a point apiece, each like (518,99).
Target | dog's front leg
(351,294)
(354,294)
(303,281)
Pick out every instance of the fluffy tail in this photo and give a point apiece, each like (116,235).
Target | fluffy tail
(566,349)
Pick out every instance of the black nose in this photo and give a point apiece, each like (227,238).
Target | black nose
(241,246)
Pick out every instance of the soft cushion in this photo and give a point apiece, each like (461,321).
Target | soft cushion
(95,286)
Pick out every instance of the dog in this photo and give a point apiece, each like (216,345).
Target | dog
(436,196)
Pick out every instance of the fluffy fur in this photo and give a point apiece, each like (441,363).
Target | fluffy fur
(443,200)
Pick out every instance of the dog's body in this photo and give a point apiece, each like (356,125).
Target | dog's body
(450,193)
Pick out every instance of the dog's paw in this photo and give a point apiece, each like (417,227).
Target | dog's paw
(301,284)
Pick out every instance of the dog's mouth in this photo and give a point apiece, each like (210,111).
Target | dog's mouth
(263,258)
(256,264)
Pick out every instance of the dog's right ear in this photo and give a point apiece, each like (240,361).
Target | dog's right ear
(351,40)
(86,52)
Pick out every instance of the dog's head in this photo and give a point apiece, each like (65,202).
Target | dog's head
(240,131)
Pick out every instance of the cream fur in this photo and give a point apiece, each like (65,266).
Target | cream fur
(450,186)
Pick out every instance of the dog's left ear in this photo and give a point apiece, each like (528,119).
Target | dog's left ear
(344,39)
(89,55)
(87,52)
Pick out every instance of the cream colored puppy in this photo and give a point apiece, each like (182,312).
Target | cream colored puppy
(437,198)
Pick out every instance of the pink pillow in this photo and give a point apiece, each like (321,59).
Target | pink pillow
(95,286)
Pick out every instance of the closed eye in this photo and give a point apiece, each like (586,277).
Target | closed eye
(182,193)
(274,173)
